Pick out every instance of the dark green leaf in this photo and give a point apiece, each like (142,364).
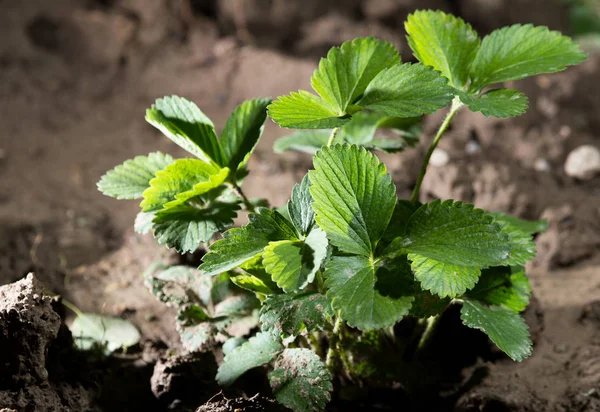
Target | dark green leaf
(183,122)
(353,196)
(129,180)
(497,103)
(501,286)
(300,381)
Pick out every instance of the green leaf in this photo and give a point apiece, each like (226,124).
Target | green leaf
(500,103)
(183,122)
(143,222)
(346,72)
(196,329)
(403,210)
(443,279)
(350,281)
(294,263)
(260,349)
(500,286)
(300,210)
(522,246)
(303,110)
(353,196)
(180,181)
(254,277)
(300,381)
(443,41)
(237,305)
(129,180)
(241,245)
(504,327)
(178,285)
(242,131)
(519,51)
(307,141)
(455,233)
(287,315)
(89,329)
(184,226)
(530,227)
(407,90)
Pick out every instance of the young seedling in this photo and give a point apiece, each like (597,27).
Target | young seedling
(346,252)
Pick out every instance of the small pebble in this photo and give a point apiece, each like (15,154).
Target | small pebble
(472,147)
(583,163)
(439,158)
(541,165)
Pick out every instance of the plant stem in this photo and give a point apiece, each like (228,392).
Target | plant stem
(456,106)
(238,190)
(333,351)
(431,325)
(332,136)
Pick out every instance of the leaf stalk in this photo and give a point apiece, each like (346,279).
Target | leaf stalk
(332,136)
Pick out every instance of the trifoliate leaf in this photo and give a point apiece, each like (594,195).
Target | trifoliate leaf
(497,103)
(353,196)
(300,210)
(530,227)
(307,141)
(300,381)
(242,131)
(184,227)
(294,263)
(443,279)
(143,222)
(178,285)
(289,315)
(444,42)
(350,281)
(455,233)
(241,245)
(260,349)
(303,110)
(129,180)
(183,122)
(346,72)
(505,328)
(180,181)
(519,51)
(407,90)
(90,329)
(501,286)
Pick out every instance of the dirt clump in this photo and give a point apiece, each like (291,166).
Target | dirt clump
(256,403)
(30,329)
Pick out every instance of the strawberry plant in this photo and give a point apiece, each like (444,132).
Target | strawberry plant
(345,257)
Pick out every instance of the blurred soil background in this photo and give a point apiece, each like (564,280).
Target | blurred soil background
(77,75)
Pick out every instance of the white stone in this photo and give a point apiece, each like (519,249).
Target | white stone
(583,163)
(541,165)
(439,158)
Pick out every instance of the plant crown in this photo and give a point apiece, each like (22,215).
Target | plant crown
(345,252)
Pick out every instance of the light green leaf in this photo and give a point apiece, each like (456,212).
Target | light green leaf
(501,286)
(530,227)
(90,329)
(299,208)
(242,131)
(240,245)
(184,226)
(143,222)
(504,327)
(260,349)
(180,181)
(183,122)
(350,281)
(294,263)
(353,196)
(303,110)
(129,180)
(196,329)
(178,285)
(454,233)
(443,41)
(519,51)
(500,103)
(307,141)
(363,126)
(346,72)
(443,279)
(288,315)
(407,90)
(300,381)
(254,277)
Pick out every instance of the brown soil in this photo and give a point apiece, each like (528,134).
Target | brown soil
(76,77)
